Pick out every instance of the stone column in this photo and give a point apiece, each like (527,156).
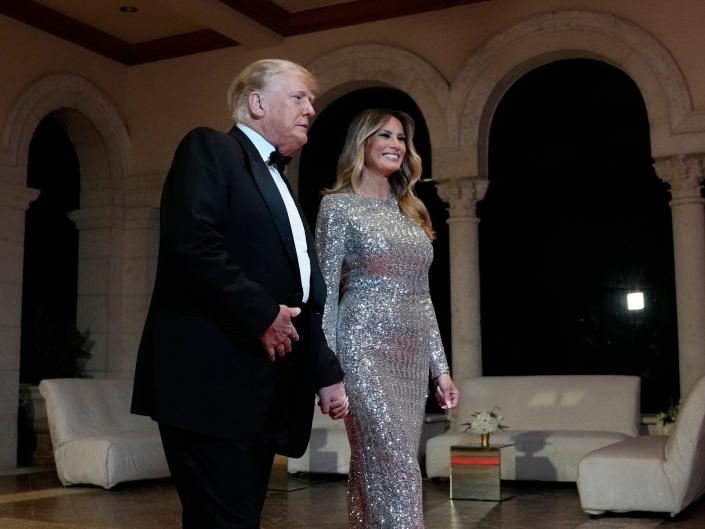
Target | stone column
(685,173)
(117,262)
(98,281)
(462,195)
(139,266)
(14,200)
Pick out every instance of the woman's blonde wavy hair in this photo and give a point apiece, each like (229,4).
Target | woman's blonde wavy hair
(352,161)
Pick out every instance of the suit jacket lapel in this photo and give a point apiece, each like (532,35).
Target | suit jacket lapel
(270,194)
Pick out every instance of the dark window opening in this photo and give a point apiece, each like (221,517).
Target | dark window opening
(574,220)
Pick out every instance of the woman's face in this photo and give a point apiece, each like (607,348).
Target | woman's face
(386,148)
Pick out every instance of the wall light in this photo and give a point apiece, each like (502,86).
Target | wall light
(635,301)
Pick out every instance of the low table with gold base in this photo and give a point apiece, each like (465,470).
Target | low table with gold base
(475,472)
(279,479)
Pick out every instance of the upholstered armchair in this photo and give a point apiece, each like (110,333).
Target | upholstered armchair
(650,473)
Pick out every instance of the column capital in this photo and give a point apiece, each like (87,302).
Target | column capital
(98,217)
(462,195)
(115,217)
(684,173)
(17,196)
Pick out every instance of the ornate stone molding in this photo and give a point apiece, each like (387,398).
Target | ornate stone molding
(16,197)
(364,65)
(115,217)
(573,34)
(462,195)
(685,174)
(65,91)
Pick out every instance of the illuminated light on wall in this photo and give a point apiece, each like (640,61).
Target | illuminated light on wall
(635,301)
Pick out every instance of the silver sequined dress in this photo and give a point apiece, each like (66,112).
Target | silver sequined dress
(385,334)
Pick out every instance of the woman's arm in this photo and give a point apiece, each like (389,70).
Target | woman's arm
(330,245)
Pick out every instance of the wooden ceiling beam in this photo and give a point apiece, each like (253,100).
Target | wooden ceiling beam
(67,28)
(270,18)
(288,24)
(72,30)
(225,20)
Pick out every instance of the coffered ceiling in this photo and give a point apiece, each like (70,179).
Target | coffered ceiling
(139,31)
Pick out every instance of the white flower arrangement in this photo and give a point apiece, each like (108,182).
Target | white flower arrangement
(485,422)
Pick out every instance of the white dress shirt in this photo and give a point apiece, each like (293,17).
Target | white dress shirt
(297,226)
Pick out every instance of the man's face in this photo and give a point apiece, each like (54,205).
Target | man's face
(287,101)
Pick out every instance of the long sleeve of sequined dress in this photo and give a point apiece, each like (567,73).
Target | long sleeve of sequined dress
(383,328)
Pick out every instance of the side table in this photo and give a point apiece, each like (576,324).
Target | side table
(475,472)
(279,479)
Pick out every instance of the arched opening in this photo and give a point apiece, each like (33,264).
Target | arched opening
(574,220)
(50,344)
(98,135)
(317,171)
(51,255)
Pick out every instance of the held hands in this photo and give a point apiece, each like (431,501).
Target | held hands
(281,332)
(446,392)
(333,401)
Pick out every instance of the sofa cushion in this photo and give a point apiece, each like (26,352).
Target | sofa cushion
(96,439)
(79,407)
(106,460)
(626,476)
(608,403)
(554,455)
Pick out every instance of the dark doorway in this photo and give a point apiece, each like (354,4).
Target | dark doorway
(575,219)
(317,171)
(51,253)
(49,340)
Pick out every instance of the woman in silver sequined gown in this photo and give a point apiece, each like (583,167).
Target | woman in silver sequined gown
(383,327)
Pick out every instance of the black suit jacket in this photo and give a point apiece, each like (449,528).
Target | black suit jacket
(226,261)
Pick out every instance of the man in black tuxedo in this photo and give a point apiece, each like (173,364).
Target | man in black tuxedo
(232,351)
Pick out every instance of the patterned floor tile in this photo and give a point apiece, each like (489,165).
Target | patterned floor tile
(29,501)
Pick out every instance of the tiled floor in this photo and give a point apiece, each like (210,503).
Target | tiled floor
(37,501)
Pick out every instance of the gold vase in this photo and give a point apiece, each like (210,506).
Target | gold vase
(485,440)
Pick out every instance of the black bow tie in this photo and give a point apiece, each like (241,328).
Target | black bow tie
(278,160)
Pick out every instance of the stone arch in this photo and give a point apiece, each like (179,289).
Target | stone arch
(102,144)
(91,120)
(574,34)
(360,66)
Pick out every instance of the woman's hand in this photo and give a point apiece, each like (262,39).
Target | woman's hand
(446,392)
(333,401)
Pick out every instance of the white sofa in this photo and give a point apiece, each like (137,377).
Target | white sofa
(553,422)
(96,439)
(328,451)
(650,473)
